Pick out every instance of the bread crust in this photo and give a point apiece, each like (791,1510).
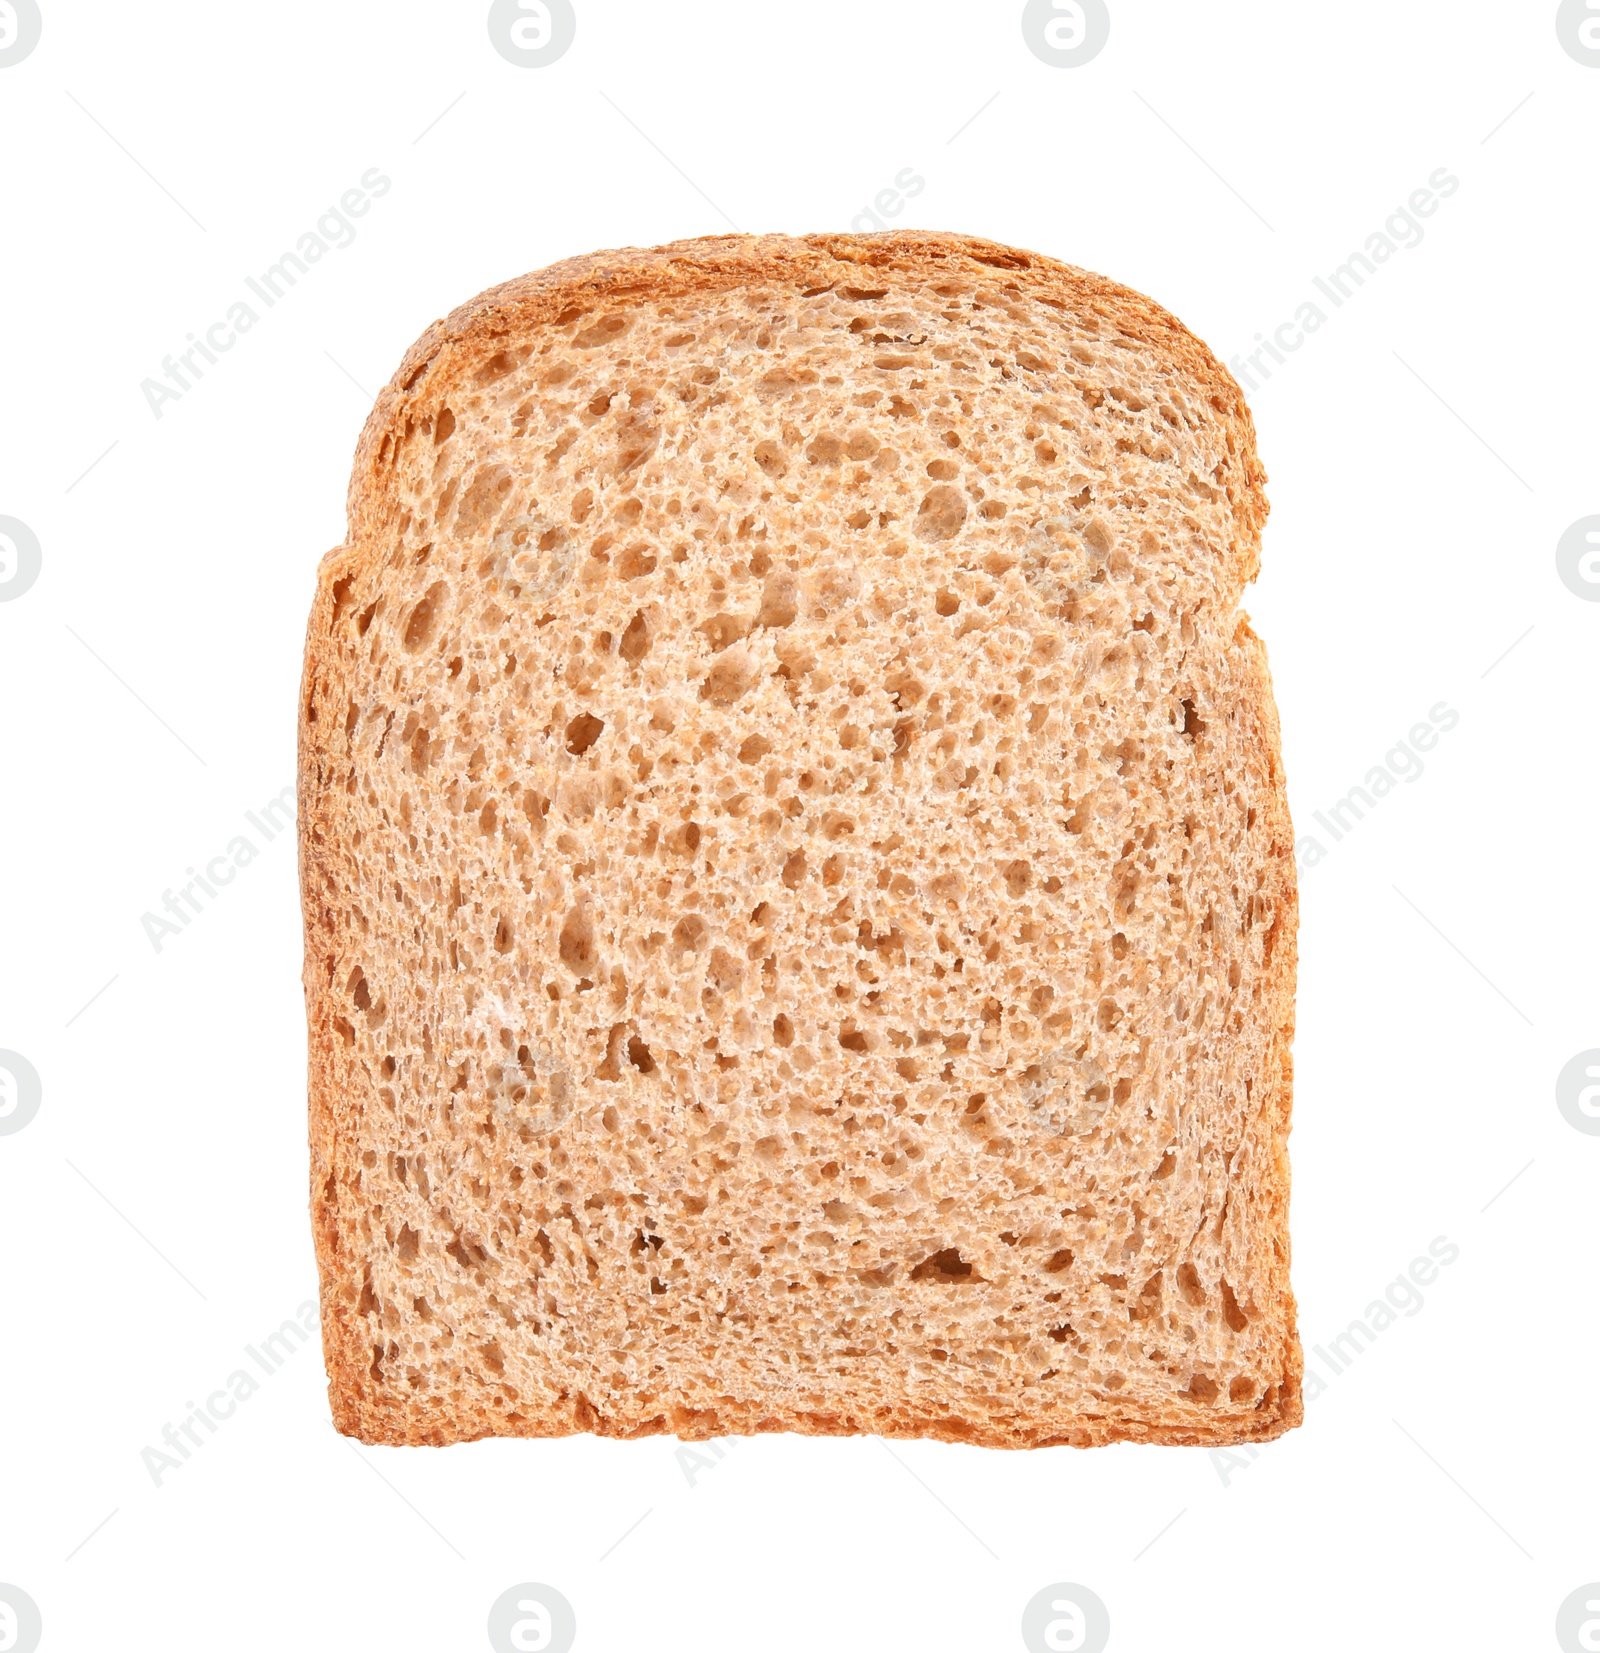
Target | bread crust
(337,1097)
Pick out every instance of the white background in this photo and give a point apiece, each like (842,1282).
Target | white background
(1426,448)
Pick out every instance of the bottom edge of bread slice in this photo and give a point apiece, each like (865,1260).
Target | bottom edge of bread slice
(1279,1410)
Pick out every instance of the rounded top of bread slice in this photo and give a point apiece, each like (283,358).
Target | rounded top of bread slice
(583,300)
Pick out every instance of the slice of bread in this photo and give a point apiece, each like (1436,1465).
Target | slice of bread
(799,896)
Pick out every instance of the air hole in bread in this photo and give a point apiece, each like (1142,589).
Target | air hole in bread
(497,366)
(723,629)
(947,1267)
(635,641)
(690,932)
(941,513)
(779,600)
(582,732)
(424,620)
(577,945)
(731,677)
(1232,1314)
(604,331)
(771,458)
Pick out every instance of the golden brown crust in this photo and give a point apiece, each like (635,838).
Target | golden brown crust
(337,1096)
(375,1425)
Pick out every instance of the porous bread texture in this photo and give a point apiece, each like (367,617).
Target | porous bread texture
(799,894)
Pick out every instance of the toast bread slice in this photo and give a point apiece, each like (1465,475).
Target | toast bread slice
(799,893)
